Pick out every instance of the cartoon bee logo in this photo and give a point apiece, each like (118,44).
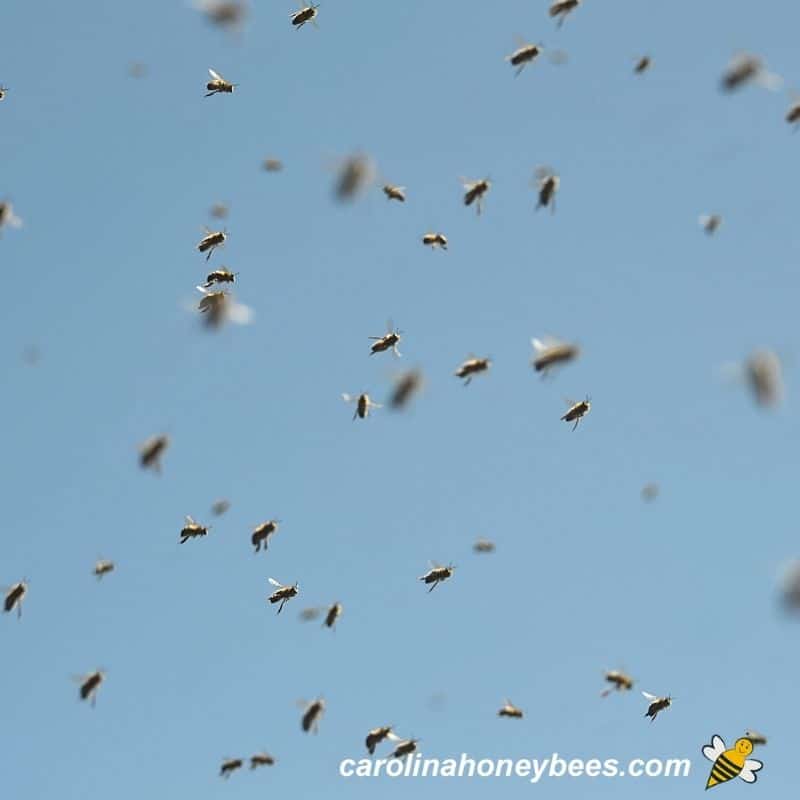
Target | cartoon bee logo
(730,763)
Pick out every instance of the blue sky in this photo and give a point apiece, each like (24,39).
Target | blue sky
(114,177)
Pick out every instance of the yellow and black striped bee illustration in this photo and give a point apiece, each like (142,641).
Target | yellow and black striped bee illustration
(656,704)
(192,529)
(484,546)
(436,574)
(218,84)
(312,715)
(303,15)
(262,532)
(548,184)
(562,8)
(406,385)
(395,192)
(405,748)
(472,366)
(577,411)
(262,759)
(90,684)
(151,451)
(619,682)
(282,594)
(475,191)
(211,241)
(756,738)
(363,404)
(102,567)
(229,766)
(13,598)
(435,241)
(508,709)
(550,353)
(731,763)
(378,735)
(388,341)
(333,613)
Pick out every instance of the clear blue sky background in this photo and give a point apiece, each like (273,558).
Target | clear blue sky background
(114,177)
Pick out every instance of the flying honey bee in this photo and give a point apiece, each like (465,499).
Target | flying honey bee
(102,567)
(523,55)
(262,759)
(211,241)
(388,341)
(334,612)
(763,371)
(406,385)
(219,211)
(221,275)
(355,174)
(405,748)
(475,192)
(272,165)
(192,529)
(642,65)
(223,13)
(13,598)
(562,8)
(363,404)
(8,219)
(151,451)
(790,586)
(312,716)
(218,84)
(508,709)
(282,594)
(551,353)
(484,546)
(577,411)
(219,307)
(3,92)
(395,192)
(229,766)
(548,183)
(436,574)
(310,614)
(756,738)
(220,507)
(656,704)
(472,366)
(261,534)
(650,492)
(435,240)
(730,763)
(378,735)
(619,682)
(90,684)
(746,68)
(303,15)
(710,223)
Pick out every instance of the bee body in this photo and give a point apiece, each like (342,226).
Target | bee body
(3,92)
(475,192)
(550,354)
(395,193)
(388,341)
(261,534)
(436,575)
(577,412)
(656,704)
(282,594)
(405,748)
(229,766)
(218,84)
(211,241)
(90,685)
(151,451)
(221,275)
(103,568)
(484,546)
(13,598)
(192,530)
(312,715)
(524,55)
(548,184)
(562,8)
(508,709)
(435,240)
(763,372)
(710,223)
(405,387)
(334,612)
(619,682)
(376,736)
(261,760)
(642,65)
(363,404)
(793,115)
(356,174)
(304,15)
(472,366)
(272,165)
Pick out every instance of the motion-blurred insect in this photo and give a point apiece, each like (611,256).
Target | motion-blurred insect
(218,84)
(619,682)
(395,192)
(523,55)
(356,174)
(151,451)
(363,404)
(102,567)
(436,574)
(90,684)
(8,219)
(732,762)
(223,13)
(137,69)
(475,192)
(551,353)
(220,507)
(656,704)
(484,546)
(763,371)
(310,614)
(577,411)
(793,114)
(282,594)
(13,598)
(405,748)
(262,759)
(378,735)
(508,709)
(435,240)
(3,92)
(305,14)
(219,211)
(406,385)
(211,241)
(642,65)
(192,529)
(221,275)
(334,612)
(272,165)
(548,183)
(562,8)
(472,366)
(756,738)
(219,307)
(650,492)
(229,766)
(790,586)
(388,341)
(312,716)
(746,68)
(262,532)
(710,223)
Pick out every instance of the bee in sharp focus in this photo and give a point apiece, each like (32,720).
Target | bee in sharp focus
(436,574)
(90,684)
(211,241)
(435,240)
(642,65)
(303,15)
(523,55)
(388,341)
(475,192)
(262,759)
(406,385)
(218,84)
(363,404)
(7,216)
(484,546)
(405,748)
(221,275)
(746,68)
(550,353)
(619,682)
(312,716)
(192,529)
(282,594)
(577,411)
(710,223)
(656,704)
(547,183)
(102,567)
(333,613)
(13,598)
(262,532)
(272,165)
(229,766)
(220,507)
(508,709)
(472,366)
(151,451)
(562,8)
(395,192)
(377,735)
(756,738)
(732,762)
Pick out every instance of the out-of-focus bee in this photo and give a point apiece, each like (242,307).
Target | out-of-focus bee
(763,371)
(220,307)
(90,684)
(7,216)
(577,411)
(3,92)
(793,114)
(211,241)
(262,759)
(508,709)
(642,65)
(220,507)
(377,735)
(619,682)
(102,567)
(472,366)
(219,211)
(388,341)
(475,192)
(406,385)
(548,183)
(756,738)
(562,8)
(229,766)
(395,192)
(218,84)
(523,55)
(261,534)
(13,598)
(483,546)
(435,240)
(405,748)
(550,353)
(282,593)
(656,704)
(223,13)
(436,574)
(334,612)
(305,14)
(192,529)
(312,715)
(137,69)
(272,165)
(356,174)
(151,451)
(710,223)
(650,492)
(746,68)
(363,404)
(221,275)
(310,614)
(790,586)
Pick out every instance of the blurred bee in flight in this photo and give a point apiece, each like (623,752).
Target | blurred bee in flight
(524,54)
(363,404)
(551,353)
(547,183)
(472,366)
(356,174)
(312,715)
(763,370)
(395,192)
(619,682)
(642,65)
(475,192)
(483,546)
(282,594)
(229,766)
(218,84)
(436,574)
(219,307)
(8,219)
(310,614)
(211,241)
(746,68)
(650,492)
(228,14)
(378,735)
(405,748)
(435,241)
(219,211)
(13,598)
(756,738)
(262,759)
(656,704)
(102,567)
(710,223)
(303,15)
(272,165)
(221,275)
(334,612)
(3,92)
(790,586)
(731,762)
(89,684)
(562,8)
(220,507)
(151,451)
(388,341)
(793,114)
(406,385)
(192,529)
(261,534)
(577,412)
(508,709)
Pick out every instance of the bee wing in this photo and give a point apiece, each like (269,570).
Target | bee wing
(769,80)
(190,521)
(651,697)
(240,314)
(348,398)
(275,583)
(215,75)
(748,773)
(713,751)
(393,737)
(375,405)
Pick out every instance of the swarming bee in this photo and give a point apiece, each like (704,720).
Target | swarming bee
(484,546)
(435,241)
(151,451)
(388,341)
(523,55)
(333,613)
(395,192)
(377,735)
(221,275)
(192,529)
(211,241)
(550,353)
(102,567)
(262,759)
(548,183)
(619,682)
(405,748)
(474,192)
(13,598)
(656,704)
(472,366)
(642,65)
(436,574)
(90,684)
(218,84)
(303,15)
(262,532)
(229,766)
(508,709)
(577,411)
(312,715)
(282,594)
(562,8)
(363,404)
(406,385)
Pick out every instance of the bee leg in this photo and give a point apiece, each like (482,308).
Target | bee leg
(435,584)
(280,607)
(519,69)
(576,423)
(210,251)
